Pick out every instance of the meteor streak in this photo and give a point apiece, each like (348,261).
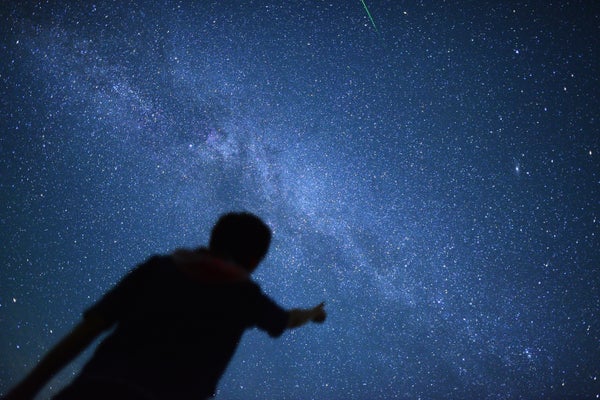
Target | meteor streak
(369,14)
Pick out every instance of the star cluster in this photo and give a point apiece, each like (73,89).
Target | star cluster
(435,181)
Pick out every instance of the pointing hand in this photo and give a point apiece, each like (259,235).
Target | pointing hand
(319,313)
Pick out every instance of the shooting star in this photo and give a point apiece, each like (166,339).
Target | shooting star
(369,14)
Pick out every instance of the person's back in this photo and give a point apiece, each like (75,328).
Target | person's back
(178,320)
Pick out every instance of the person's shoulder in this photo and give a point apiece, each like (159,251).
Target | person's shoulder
(159,259)
(155,260)
(154,264)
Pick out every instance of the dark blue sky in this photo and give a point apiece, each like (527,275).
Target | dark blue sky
(434,178)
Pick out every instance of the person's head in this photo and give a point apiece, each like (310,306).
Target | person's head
(242,238)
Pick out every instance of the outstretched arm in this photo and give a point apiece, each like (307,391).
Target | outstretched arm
(299,316)
(59,356)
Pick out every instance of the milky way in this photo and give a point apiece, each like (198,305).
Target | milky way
(432,174)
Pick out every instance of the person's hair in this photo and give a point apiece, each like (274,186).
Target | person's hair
(241,237)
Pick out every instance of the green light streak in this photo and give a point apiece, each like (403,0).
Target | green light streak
(369,14)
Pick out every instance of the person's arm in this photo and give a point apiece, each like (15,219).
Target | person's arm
(299,316)
(59,356)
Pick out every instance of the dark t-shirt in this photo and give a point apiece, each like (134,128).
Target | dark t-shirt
(176,333)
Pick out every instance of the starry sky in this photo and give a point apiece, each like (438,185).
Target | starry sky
(432,174)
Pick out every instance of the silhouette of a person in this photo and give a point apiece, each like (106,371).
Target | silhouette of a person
(177,321)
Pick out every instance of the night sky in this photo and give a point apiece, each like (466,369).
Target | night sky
(432,174)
